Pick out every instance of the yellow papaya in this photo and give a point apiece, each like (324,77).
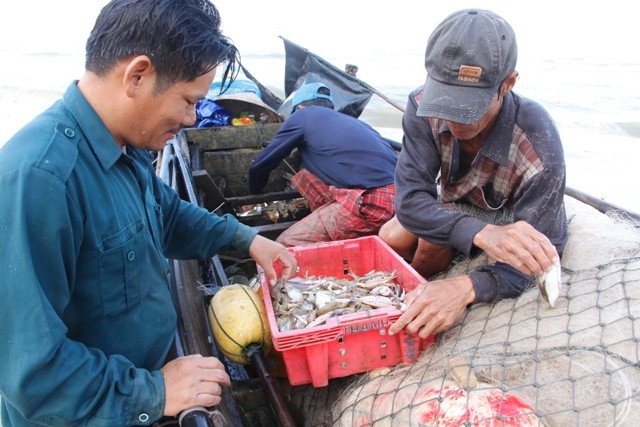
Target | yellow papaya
(238,320)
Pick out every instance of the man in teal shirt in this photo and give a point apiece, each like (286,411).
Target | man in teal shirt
(86,227)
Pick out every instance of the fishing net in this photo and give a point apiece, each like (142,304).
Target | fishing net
(518,361)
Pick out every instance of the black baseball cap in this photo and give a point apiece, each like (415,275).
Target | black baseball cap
(468,57)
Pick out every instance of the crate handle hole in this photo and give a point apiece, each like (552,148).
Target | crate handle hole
(383,344)
(383,357)
(342,351)
(340,339)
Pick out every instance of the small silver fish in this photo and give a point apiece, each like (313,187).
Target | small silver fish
(549,284)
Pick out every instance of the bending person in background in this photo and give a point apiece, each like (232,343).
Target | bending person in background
(87,315)
(346,174)
(497,160)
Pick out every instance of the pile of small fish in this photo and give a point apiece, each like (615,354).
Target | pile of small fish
(305,302)
(277,211)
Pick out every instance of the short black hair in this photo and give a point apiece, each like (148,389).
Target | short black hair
(182,38)
(320,102)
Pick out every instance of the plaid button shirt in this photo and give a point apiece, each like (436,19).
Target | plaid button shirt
(488,184)
(520,167)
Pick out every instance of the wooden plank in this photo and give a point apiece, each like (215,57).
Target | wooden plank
(274,227)
(214,200)
(272,231)
(233,166)
(232,137)
(262,198)
(229,162)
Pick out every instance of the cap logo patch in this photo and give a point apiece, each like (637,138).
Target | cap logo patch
(469,74)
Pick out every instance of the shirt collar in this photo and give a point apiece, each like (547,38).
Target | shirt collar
(105,147)
(498,142)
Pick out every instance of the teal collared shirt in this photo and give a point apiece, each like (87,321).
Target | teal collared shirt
(86,317)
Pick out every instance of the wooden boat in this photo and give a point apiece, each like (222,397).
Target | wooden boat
(208,167)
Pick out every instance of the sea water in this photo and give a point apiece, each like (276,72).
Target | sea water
(578,59)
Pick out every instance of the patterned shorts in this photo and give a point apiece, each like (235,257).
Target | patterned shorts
(337,213)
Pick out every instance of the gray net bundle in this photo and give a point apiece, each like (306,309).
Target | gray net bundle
(518,362)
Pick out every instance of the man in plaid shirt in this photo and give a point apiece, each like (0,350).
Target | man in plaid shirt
(481,169)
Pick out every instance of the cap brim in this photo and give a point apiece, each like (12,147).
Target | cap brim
(460,104)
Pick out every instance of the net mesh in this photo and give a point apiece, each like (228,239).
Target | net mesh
(518,361)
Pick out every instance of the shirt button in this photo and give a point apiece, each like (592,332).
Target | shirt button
(131,256)
(69,132)
(143,418)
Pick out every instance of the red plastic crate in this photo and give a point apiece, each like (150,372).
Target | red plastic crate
(352,343)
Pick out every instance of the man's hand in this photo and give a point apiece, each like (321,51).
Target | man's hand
(266,252)
(193,381)
(519,245)
(435,306)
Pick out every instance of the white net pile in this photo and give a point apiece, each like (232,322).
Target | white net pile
(519,362)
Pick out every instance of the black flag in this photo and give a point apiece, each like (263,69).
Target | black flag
(350,95)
